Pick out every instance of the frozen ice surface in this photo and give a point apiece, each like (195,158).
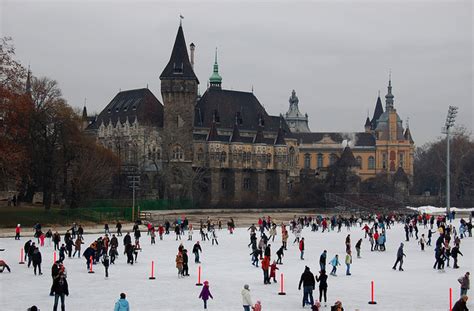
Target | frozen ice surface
(227,267)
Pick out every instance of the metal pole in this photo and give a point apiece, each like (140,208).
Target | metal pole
(448,190)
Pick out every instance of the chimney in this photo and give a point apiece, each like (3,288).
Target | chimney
(191,48)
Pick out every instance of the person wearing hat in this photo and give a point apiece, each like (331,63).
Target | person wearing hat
(400,255)
(460,305)
(205,294)
(17,232)
(246,299)
(337,306)
(258,306)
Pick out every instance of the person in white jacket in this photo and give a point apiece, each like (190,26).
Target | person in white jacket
(246,299)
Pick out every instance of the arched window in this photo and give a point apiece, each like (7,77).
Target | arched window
(371,163)
(384,161)
(332,159)
(178,154)
(401,158)
(359,161)
(320,160)
(292,157)
(307,161)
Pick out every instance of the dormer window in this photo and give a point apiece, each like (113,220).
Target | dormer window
(178,68)
(125,109)
(134,107)
(116,109)
(109,110)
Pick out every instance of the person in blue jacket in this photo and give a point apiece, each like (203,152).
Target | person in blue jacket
(122,304)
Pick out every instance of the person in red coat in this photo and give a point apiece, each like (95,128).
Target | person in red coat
(302,248)
(265,266)
(161,230)
(273,268)
(17,232)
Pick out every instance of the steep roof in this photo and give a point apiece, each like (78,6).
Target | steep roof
(377,113)
(235,138)
(139,103)
(347,158)
(280,140)
(400,176)
(230,104)
(408,136)
(213,136)
(361,139)
(179,66)
(259,139)
(367,122)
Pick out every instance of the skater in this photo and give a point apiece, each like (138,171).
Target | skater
(308,281)
(106,229)
(358,245)
(265,267)
(246,299)
(400,255)
(323,286)
(26,248)
(284,238)
(3,266)
(214,237)
(256,254)
(177,231)
(179,264)
(322,260)
(152,235)
(258,306)
(106,263)
(454,253)
(301,247)
(205,294)
(30,253)
(196,249)
(273,268)
(334,263)
(190,232)
(17,232)
(185,263)
(122,303)
(460,305)
(422,242)
(348,243)
(280,254)
(118,226)
(36,258)
(348,263)
(337,306)
(465,283)
(62,253)
(60,289)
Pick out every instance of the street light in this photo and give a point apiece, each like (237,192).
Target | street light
(450,118)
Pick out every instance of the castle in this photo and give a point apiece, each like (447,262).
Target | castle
(223,148)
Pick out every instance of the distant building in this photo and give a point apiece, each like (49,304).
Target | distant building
(223,148)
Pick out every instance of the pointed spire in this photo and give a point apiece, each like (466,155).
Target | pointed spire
(235,138)
(280,139)
(215,80)
(179,66)
(84,110)
(377,112)
(259,138)
(347,158)
(28,81)
(407,134)
(213,136)
(389,97)
(367,123)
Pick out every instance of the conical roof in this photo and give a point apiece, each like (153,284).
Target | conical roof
(407,135)
(280,139)
(400,176)
(259,139)
(377,113)
(213,136)
(367,122)
(179,66)
(347,158)
(236,134)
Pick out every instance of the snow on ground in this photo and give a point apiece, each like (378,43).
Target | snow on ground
(433,209)
(227,267)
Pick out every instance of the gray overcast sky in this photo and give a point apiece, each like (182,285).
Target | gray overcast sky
(335,54)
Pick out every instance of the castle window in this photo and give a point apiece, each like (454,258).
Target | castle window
(332,159)
(178,68)
(200,154)
(269,158)
(320,160)
(247,184)
(178,154)
(401,158)
(384,161)
(224,183)
(359,161)
(223,156)
(247,156)
(292,157)
(371,163)
(307,161)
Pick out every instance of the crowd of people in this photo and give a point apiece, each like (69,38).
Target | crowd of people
(105,249)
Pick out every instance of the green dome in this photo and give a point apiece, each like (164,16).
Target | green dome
(215,78)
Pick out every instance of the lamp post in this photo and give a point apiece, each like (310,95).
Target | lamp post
(450,118)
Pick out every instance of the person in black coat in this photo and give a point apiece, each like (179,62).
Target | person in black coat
(323,286)
(460,305)
(127,239)
(36,258)
(88,253)
(60,289)
(196,249)
(26,247)
(308,281)
(30,253)
(54,274)
(280,254)
(454,253)
(106,263)
(185,263)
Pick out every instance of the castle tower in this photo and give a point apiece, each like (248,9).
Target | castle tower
(215,80)
(179,87)
(297,121)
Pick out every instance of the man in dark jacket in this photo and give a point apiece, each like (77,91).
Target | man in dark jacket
(322,260)
(307,279)
(185,263)
(88,253)
(196,249)
(30,253)
(460,305)
(400,255)
(60,289)
(27,248)
(54,274)
(36,258)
